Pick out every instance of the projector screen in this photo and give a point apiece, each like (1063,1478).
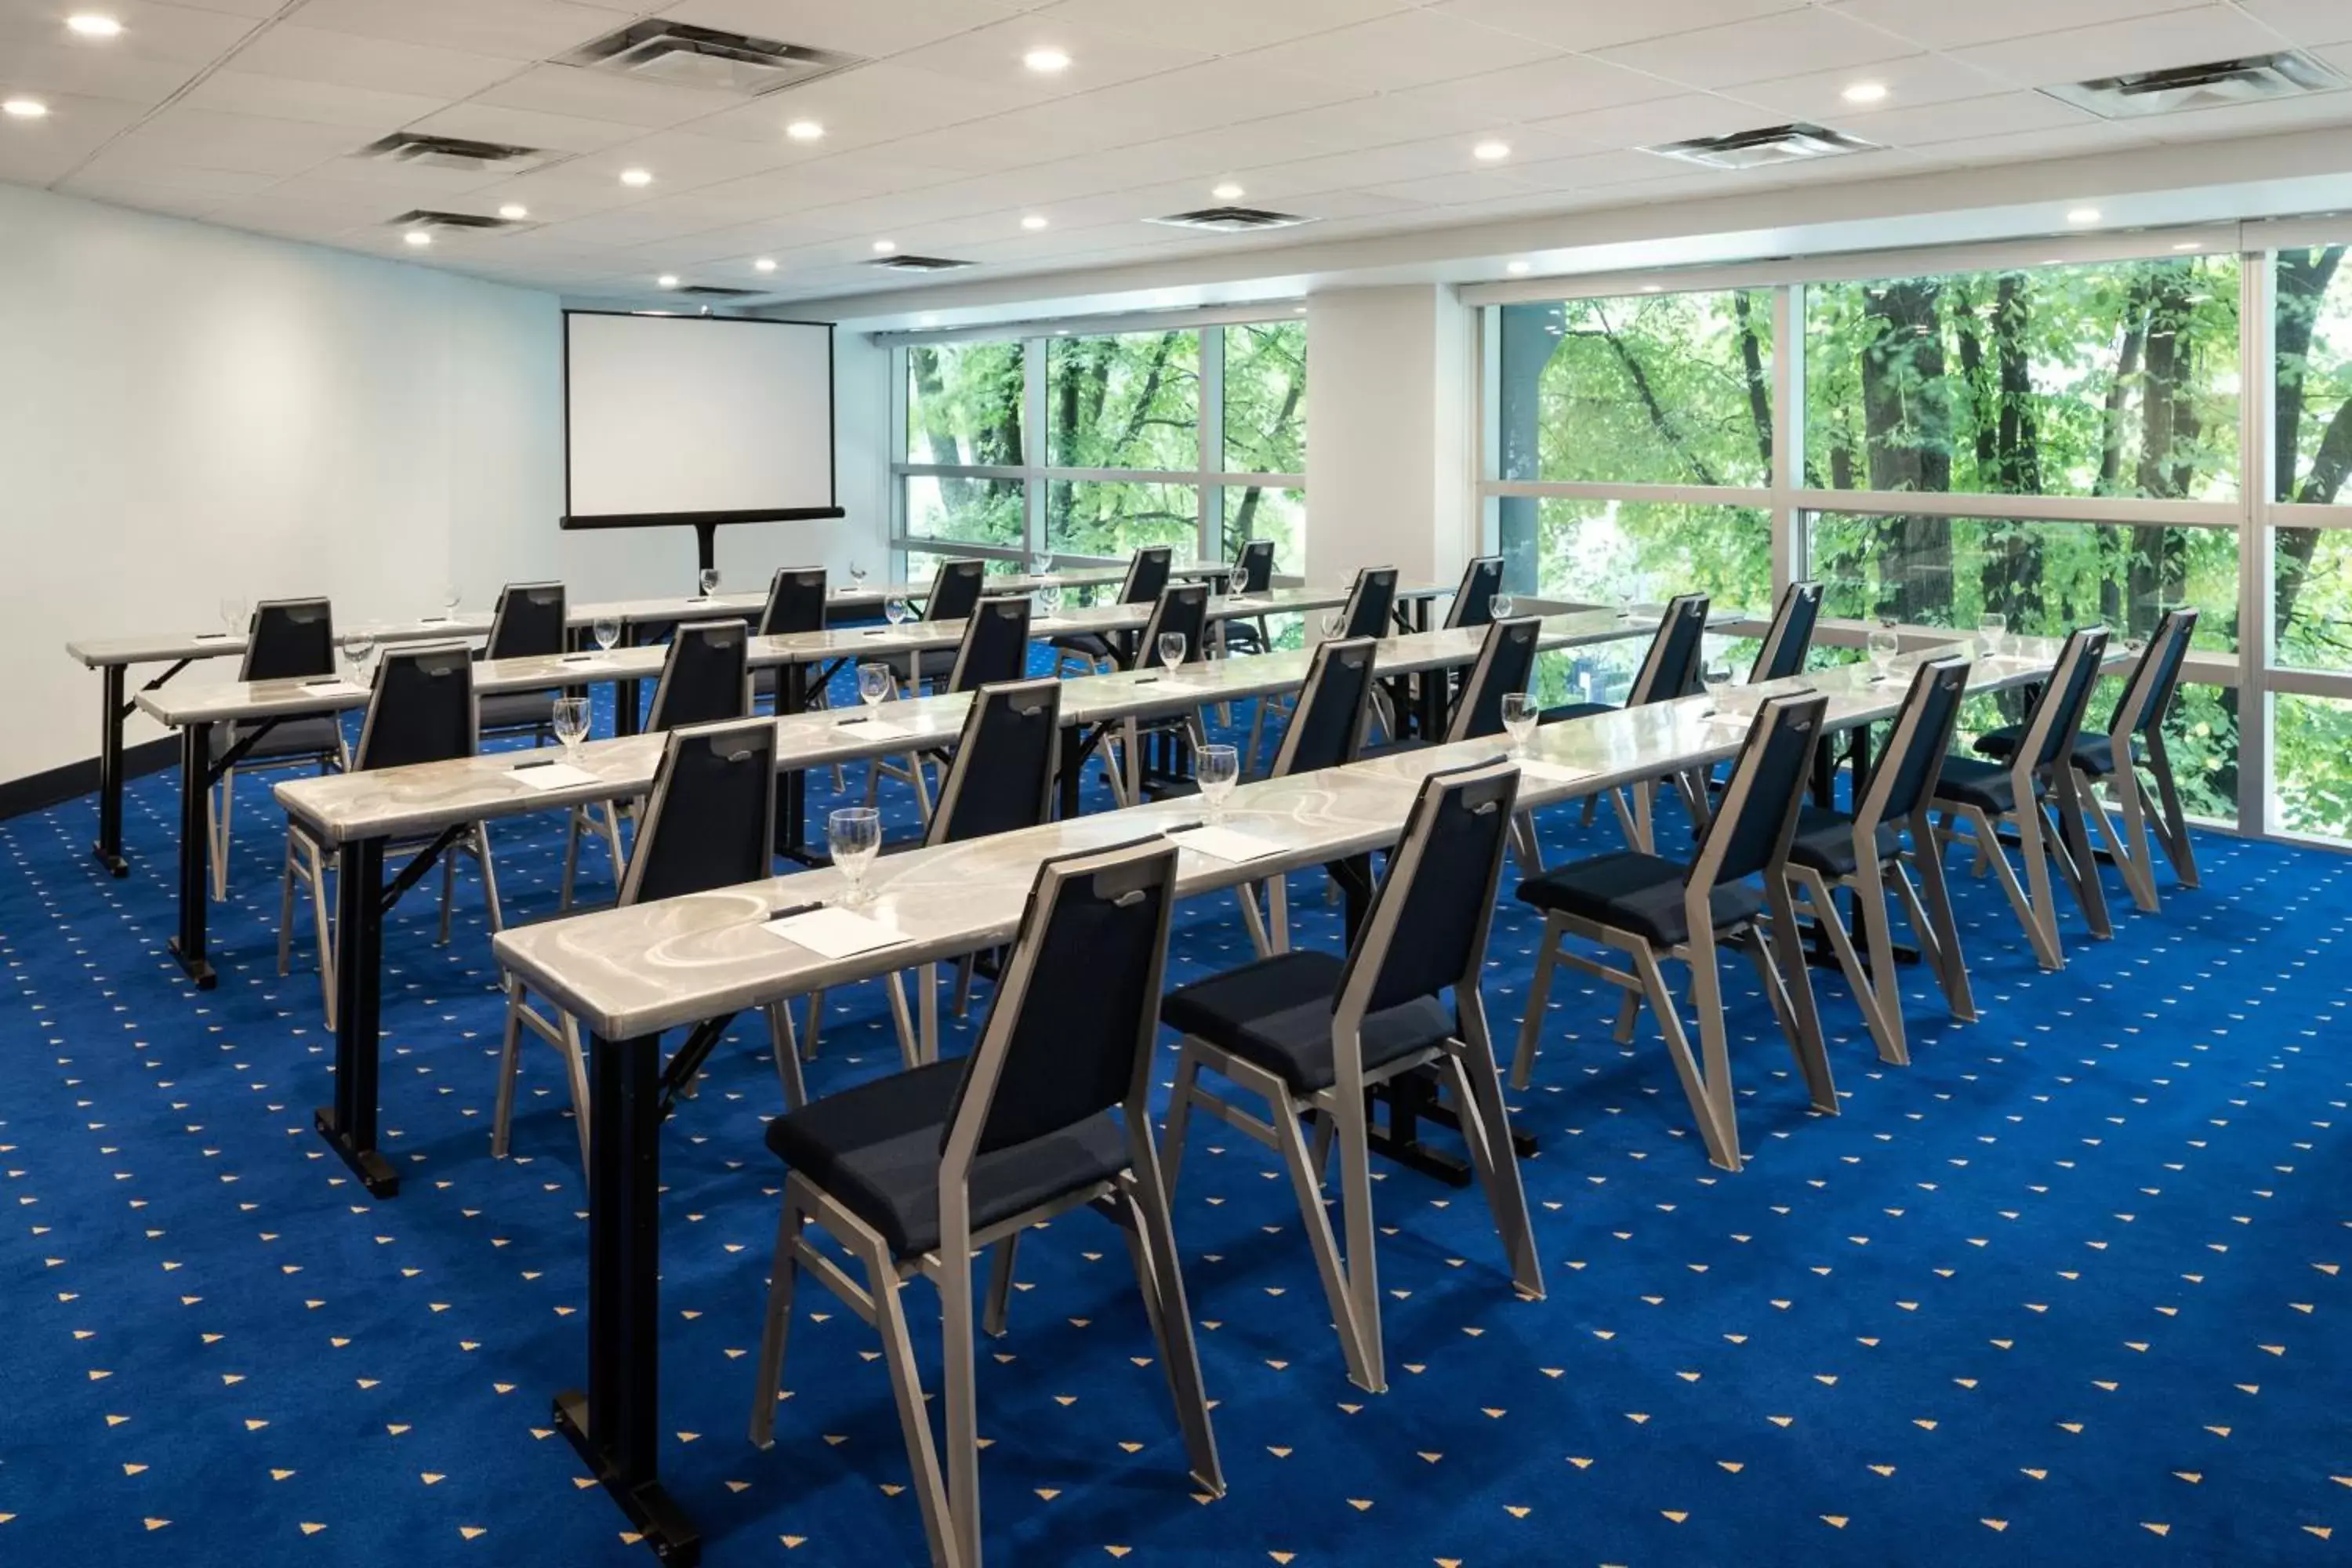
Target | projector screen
(696,419)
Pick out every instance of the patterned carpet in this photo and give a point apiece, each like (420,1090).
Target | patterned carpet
(2070,1287)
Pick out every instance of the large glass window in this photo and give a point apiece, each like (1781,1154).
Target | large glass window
(1126,401)
(963,404)
(1265,398)
(2313,342)
(1607,553)
(2311,740)
(1265,511)
(968,510)
(1117,517)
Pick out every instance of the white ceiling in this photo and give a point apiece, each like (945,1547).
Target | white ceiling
(1361,113)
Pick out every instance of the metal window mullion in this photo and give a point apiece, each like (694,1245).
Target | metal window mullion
(2257,482)
(897,499)
(1035,442)
(1209,534)
(1788,551)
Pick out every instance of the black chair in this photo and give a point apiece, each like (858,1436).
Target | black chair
(1148,571)
(286,639)
(1474,601)
(1372,604)
(994,650)
(1252,574)
(2021,793)
(528,623)
(1669,671)
(421,709)
(1864,854)
(1182,611)
(1653,910)
(796,601)
(1310,1033)
(707,823)
(1791,636)
(2135,731)
(705,680)
(1051,1112)
(1506,663)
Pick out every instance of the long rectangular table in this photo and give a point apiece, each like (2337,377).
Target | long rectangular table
(627,975)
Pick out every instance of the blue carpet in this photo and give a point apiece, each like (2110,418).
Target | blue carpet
(2067,1287)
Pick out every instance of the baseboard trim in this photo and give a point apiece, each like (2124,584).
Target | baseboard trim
(38,791)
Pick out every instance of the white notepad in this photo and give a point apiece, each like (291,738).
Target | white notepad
(832,933)
(1553,772)
(874,729)
(1228,844)
(553,776)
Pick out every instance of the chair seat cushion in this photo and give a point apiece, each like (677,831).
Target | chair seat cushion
(1574,710)
(1088,645)
(2094,754)
(1824,841)
(1969,780)
(310,735)
(1277,1012)
(877,1149)
(1636,892)
(516,710)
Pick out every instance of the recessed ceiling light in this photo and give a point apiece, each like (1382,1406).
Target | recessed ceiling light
(1034,221)
(1046,61)
(417,237)
(1229,192)
(1865,92)
(23,108)
(91,24)
(885,246)
(636,176)
(1516,268)
(805,130)
(514,212)
(765,264)
(1491,152)
(2083,214)
(666,280)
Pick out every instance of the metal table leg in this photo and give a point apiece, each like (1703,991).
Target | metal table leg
(108,848)
(195,852)
(349,1125)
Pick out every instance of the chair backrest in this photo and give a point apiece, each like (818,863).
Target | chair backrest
(1182,608)
(529,622)
(1146,575)
(955,589)
(795,602)
(1905,779)
(1474,601)
(1253,571)
(711,821)
(1370,601)
(1670,667)
(288,639)
(1071,1028)
(1506,661)
(1003,775)
(1791,636)
(421,710)
(2055,719)
(1426,929)
(705,677)
(2149,694)
(1758,816)
(995,646)
(1334,709)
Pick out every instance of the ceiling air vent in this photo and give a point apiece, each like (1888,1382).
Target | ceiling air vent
(685,56)
(458,154)
(1760,149)
(918,263)
(2254,80)
(455,223)
(713,292)
(1231,220)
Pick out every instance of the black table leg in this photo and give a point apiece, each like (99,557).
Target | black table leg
(108,848)
(195,852)
(615,1424)
(349,1125)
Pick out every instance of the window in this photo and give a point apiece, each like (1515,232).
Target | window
(963,404)
(1265,511)
(1265,398)
(1607,552)
(1130,401)
(2313,333)
(970,510)
(1117,517)
(2312,782)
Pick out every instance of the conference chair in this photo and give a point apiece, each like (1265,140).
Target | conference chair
(1791,636)
(1506,662)
(2136,731)
(1252,574)
(528,623)
(286,639)
(1863,854)
(709,823)
(912,1173)
(1654,910)
(1309,1033)
(1182,610)
(1148,571)
(2038,780)
(1367,612)
(1669,671)
(705,680)
(994,648)
(955,593)
(421,708)
(796,602)
(1473,600)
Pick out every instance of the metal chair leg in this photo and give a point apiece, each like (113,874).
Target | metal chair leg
(1001,1259)
(510,1067)
(787,1054)
(907,1389)
(1164,1285)
(778,1324)
(1523,1061)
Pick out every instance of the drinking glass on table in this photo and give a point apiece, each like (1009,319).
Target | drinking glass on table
(235,615)
(1040,564)
(1993,635)
(449,597)
(572,725)
(1519,721)
(1334,623)
(873,683)
(1717,678)
(708,582)
(1171,649)
(607,631)
(856,577)
(1217,769)
(1499,606)
(357,646)
(855,835)
(1883,646)
(1049,598)
(895,611)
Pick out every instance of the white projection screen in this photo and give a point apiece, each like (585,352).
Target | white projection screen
(702,420)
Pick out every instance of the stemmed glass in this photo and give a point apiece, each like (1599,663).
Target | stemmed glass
(1217,769)
(856,577)
(894,610)
(1499,607)
(1519,721)
(854,834)
(708,582)
(1040,564)
(1049,598)
(1717,678)
(449,597)
(1334,622)
(572,725)
(1171,649)
(607,631)
(357,646)
(1883,646)
(1993,635)
(873,683)
(235,615)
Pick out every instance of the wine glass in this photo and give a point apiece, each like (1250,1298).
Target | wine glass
(449,597)
(708,582)
(1717,678)
(854,834)
(1217,769)
(1040,564)
(607,631)
(1519,721)
(357,646)
(1624,601)
(235,615)
(572,725)
(1993,635)
(856,577)
(1049,598)
(873,683)
(1499,607)
(1333,624)
(894,610)
(1883,646)
(1171,649)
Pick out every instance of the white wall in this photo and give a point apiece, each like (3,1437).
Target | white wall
(188,412)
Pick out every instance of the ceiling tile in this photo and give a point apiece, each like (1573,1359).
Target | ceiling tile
(873,103)
(521,127)
(2150,43)
(2027,146)
(514,30)
(206,138)
(1997,115)
(2316,112)
(1760,49)
(1596,171)
(132,182)
(869,27)
(317,103)
(1098,58)
(1412,48)
(1940,25)
(37,151)
(1536,92)
(1575,26)
(601,95)
(1677,117)
(1818,96)
(171,35)
(380,65)
(2304,21)
(55,70)
(1222,26)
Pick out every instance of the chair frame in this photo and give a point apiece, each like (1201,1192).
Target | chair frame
(2125,824)
(220,806)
